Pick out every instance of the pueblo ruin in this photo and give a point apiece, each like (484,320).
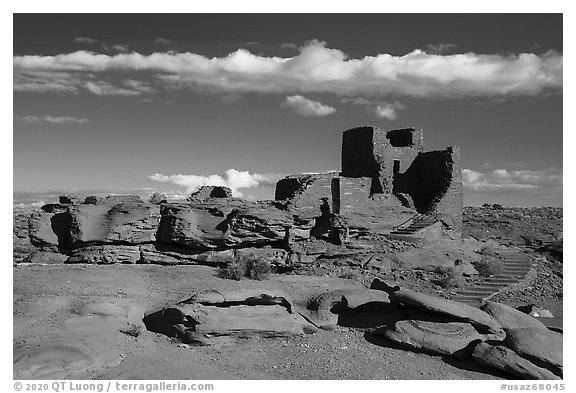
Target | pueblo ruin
(389,187)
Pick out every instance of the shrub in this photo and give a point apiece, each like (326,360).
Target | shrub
(487,251)
(487,267)
(257,269)
(251,267)
(448,277)
(235,270)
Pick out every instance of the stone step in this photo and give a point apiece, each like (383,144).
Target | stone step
(501,277)
(482,294)
(494,285)
(468,300)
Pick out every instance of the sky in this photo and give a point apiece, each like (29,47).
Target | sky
(139,103)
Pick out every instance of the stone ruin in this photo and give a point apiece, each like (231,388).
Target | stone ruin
(385,176)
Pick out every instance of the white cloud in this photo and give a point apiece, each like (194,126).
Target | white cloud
(386,111)
(120,48)
(383,110)
(318,69)
(162,41)
(132,88)
(306,107)
(52,119)
(85,40)
(232,179)
(505,180)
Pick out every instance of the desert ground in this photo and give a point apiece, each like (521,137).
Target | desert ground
(85,321)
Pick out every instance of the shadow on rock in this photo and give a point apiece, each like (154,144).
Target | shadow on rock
(471,365)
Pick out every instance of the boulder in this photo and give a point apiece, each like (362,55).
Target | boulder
(323,309)
(105,254)
(444,338)
(505,359)
(542,347)
(509,317)
(108,223)
(457,310)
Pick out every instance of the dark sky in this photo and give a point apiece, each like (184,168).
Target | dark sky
(124,103)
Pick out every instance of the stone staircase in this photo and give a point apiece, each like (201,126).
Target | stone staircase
(516,266)
(415,224)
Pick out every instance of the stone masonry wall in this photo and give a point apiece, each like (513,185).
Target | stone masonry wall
(434,182)
(350,194)
(304,193)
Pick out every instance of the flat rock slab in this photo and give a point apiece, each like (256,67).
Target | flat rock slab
(458,310)
(541,347)
(510,318)
(267,321)
(450,338)
(505,359)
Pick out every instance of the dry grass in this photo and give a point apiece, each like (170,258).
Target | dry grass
(250,267)
(488,267)
(447,277)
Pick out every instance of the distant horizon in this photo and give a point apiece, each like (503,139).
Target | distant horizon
(166,103)
(39,198)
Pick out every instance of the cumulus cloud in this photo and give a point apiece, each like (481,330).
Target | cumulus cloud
(48,119)
(319,69)
(305,107)
(85,40)
(232,178)
(387,111)
(120,48)
(383,110)
(506,180)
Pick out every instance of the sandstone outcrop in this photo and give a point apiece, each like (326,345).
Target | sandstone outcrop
(443,338)
(105,254)
(324,309)
(457,310)
(505,359)
(222,225)
(541,346)
(208,316)
(510,318)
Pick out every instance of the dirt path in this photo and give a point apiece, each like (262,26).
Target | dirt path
(69,317)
